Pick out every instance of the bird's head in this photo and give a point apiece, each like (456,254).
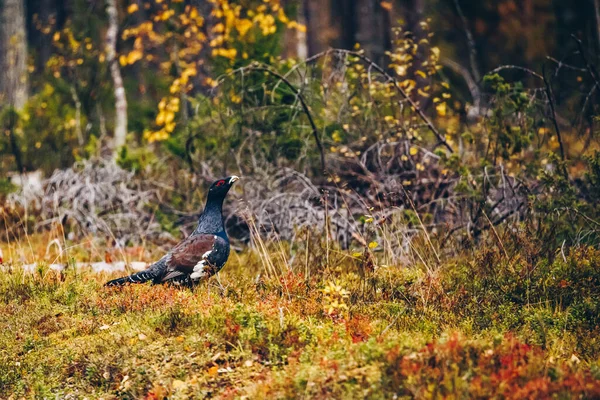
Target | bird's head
(220,187)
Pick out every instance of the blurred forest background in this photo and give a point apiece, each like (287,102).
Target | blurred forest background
(418,214)
(65,62)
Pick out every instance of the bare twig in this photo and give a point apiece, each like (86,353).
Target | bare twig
(77,116)
(550,96)
(570,209)
(472,83)
(589,66)
(516,67)
(470,42)
(560,64)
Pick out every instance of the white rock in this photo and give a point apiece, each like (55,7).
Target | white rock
(138,265)
(57,267)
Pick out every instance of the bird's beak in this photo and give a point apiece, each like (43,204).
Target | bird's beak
(233,179)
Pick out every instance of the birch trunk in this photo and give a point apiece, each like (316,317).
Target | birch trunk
(13,54)
(115,72)
(13,68)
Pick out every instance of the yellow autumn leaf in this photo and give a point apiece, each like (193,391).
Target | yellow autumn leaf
(212,371)
(160,118)
(219,28)
(281,15)
(243,26)
(170,127)
(422,93)
(400,70)
(372,245)
(173,104)
(413,151)
(169,117)
(134,56)
(408,84)
(441,109)
(175,86)
(132,8)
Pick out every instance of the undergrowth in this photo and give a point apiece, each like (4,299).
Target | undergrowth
(491,322)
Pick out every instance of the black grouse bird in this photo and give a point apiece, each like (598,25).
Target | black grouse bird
(201,254)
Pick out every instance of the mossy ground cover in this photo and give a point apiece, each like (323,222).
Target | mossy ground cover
(478,325)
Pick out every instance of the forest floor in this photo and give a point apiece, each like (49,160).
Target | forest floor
(393,332)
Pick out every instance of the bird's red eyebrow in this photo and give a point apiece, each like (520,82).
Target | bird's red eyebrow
(221,182)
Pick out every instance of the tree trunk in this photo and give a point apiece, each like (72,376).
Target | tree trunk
(344,18)
(13,54)
(597,12)
(373,29)
(13,68)
(317,14)
(38,41)
(295,40)
(115,72)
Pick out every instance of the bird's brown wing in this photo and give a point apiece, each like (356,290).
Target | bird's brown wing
(187,254)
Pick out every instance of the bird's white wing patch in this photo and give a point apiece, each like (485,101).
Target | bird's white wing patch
(199,268)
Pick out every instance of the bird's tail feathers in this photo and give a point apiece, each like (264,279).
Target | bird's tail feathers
(150,274)
(139,277)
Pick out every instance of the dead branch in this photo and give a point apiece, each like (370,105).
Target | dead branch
(550,96)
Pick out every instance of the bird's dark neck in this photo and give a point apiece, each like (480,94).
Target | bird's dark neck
(211,219)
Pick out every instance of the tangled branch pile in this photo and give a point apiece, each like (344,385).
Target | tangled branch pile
(93,197)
